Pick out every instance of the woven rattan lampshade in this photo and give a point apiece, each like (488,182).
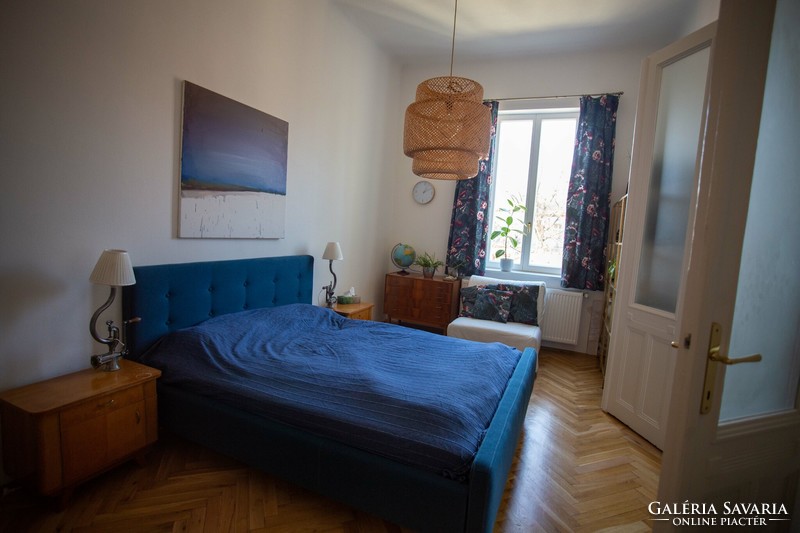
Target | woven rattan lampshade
(447,128)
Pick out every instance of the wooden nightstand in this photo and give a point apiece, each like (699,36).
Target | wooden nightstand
(60,432)
(360,311)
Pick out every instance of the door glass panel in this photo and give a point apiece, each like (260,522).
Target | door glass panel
(767,314)
(680,112)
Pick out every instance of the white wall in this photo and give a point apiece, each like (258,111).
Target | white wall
(89,142)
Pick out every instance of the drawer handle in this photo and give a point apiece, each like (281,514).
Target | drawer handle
(109,403)
(138,416)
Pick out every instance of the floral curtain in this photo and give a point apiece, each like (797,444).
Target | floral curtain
(469,225)
(586,225)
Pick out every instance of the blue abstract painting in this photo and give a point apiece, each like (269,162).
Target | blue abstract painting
(233,168)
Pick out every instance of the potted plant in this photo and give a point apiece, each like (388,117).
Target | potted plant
(429,264)
(452,270)
(508,232)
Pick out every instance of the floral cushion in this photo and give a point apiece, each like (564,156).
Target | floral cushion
(468,297)
(523,303)
(492,304)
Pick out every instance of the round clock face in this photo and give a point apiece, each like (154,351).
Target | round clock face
(423,192)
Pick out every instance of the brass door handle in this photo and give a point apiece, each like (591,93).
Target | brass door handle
(714,342)
(714,355)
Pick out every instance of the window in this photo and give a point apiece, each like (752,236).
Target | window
(533,163)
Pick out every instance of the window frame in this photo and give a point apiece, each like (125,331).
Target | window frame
(537,114)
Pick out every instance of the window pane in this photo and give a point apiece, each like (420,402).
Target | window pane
(556,146)
(513,160)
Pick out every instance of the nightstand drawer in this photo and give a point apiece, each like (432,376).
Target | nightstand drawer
(101,405)
(359,311)
(365,314)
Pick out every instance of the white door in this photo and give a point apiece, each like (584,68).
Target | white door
(661,207)
(732,453)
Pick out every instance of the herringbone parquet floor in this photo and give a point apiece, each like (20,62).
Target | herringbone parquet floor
(577,469)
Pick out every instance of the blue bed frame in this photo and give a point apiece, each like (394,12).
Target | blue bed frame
(170,297)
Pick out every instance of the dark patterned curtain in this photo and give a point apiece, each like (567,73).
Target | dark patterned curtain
(586,225)
(469,225)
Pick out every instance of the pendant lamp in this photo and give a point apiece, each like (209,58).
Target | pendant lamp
(447,128)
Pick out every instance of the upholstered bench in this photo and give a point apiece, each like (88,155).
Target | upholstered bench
(517,334)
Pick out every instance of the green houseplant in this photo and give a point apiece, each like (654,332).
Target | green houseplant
(508,231)
(429,264)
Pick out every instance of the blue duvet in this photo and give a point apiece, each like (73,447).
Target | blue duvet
(409,395)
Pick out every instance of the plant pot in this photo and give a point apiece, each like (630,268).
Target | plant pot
(428,272)
(506,264)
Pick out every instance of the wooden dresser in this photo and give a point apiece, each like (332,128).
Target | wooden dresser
(430,302)
(62,431)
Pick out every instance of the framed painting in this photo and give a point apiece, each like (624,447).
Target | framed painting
(233,169)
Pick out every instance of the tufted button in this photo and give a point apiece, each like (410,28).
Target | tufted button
(168,295)
(211,313)
(168,323)
(211,289)
(246,283)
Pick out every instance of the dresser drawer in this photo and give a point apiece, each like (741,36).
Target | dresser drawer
(400,281)
(437,309)
(101,405)
(424,301)
(439,295)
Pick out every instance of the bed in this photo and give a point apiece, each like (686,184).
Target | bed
(173,299)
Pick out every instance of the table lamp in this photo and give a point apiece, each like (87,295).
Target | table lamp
(113,269)
(333,252)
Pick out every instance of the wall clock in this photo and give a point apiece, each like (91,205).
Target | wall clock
(423,192)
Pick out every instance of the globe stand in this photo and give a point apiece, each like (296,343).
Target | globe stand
(403,272)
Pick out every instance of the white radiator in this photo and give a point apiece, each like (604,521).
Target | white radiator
(562,316)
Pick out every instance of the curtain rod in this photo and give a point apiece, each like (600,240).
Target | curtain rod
(618,93)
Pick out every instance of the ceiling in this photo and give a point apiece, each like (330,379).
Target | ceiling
(420,31)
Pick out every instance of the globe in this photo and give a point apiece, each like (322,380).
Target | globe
(403,256)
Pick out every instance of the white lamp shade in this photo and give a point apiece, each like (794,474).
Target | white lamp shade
(333,252)
(113,268)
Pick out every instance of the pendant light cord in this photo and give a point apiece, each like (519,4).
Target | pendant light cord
(453,43)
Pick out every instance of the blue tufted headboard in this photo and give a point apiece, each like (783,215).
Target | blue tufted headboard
(170,297)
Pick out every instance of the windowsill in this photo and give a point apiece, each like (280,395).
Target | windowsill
(550,280)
